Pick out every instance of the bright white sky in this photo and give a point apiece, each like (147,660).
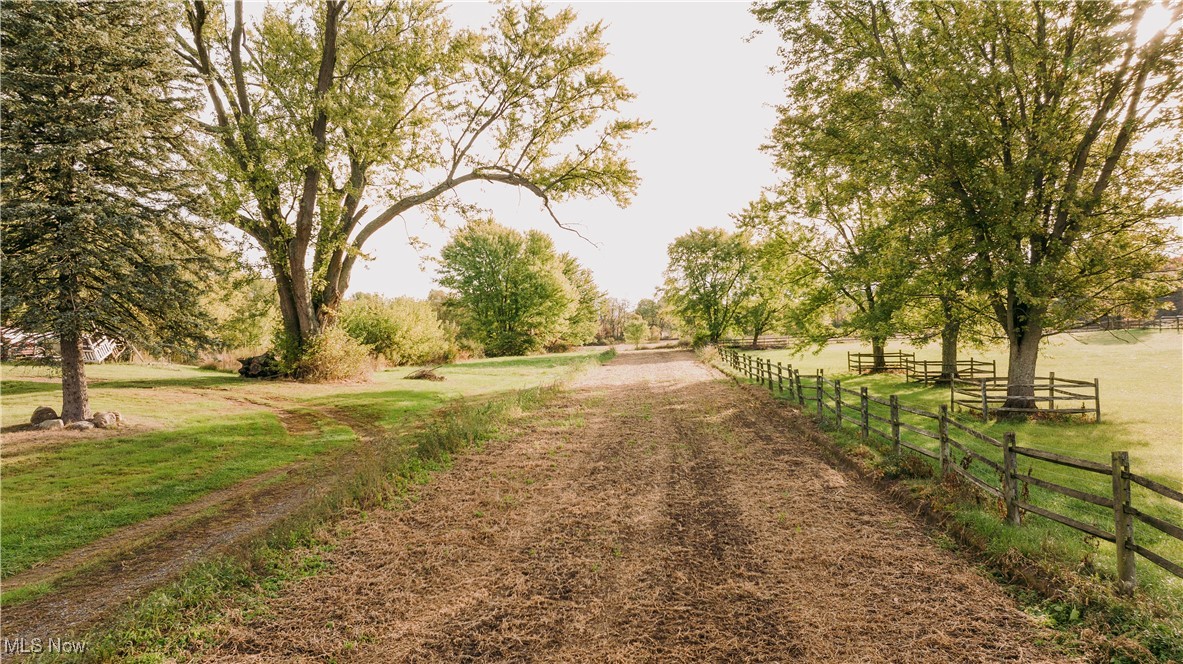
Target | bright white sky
(709,95)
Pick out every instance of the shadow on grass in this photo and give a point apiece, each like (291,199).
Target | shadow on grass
(13,388)
(532,362)
(214,379)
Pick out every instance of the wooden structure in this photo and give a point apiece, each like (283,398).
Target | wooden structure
(930,371)
(991,466)
(1057,396)
(865,362)
(18,345)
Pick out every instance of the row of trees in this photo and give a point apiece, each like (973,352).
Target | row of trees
(718,281)
(132,132)
(1009,166)
(962,170)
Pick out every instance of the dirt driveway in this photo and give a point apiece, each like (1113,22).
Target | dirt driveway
(658,512)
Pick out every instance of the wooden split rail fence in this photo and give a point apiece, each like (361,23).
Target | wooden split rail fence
(865,362)
(990,465)
(931,371)
(987,395)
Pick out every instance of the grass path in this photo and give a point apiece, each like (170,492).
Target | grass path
(657,513)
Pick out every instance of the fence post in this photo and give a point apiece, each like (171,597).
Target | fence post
(1123,525)
(797,382)
(943,429)
(838,402)
(1097,398)
(1051,390)
(1010,480)
(866,406)
(772,387)
(895,424)
(821,393)
(985,403)
(780,378)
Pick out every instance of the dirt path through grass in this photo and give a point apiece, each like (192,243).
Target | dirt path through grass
(656,513)
(98,578)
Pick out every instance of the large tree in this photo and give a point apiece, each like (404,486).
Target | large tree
(330,120)
(97,237)
(514,295)
(837,237)
(709,279)
(1051,126)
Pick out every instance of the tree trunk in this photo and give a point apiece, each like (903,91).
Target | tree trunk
(878,357)
(949,334)
(75,400)
(300,321)
(1024,352)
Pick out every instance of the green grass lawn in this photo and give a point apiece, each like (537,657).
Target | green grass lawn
(1141,378)
(193,431)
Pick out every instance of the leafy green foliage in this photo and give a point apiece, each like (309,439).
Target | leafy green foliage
(99,235)
(244,311)
(400,330)
(709,279)
(1021,133)
(514,294)
(349,117)
(332,356)
(635,330)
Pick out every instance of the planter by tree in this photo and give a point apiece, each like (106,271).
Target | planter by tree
(1037,121)
(97,239)
(330,123)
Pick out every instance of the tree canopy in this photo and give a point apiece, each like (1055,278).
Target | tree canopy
(1028,128)
(330,120)
(99,232)
(709,279)
(514,293)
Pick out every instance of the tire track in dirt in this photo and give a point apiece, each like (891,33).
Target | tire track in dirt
(96,579)
(655,513)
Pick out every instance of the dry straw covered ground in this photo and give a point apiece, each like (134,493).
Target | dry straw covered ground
(658,512)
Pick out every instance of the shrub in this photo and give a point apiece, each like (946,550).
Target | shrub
(400,330)
(333,355)
(635,330)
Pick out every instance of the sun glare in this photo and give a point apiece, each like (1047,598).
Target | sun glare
(1156,19)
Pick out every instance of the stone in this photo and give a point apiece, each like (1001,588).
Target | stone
(50,424)
(43,413)
(80,425)
(105,420)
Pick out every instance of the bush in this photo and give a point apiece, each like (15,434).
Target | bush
(400,330)
(332,356)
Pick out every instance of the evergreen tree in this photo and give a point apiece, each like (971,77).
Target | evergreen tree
(98,232)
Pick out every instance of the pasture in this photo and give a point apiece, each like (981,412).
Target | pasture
(1140,394)
(191,432)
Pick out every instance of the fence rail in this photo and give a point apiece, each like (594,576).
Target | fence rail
(864,362)
(997,477)
(932,371)
(985,396)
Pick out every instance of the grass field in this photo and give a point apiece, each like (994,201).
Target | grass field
(193,431)
(1141,378)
